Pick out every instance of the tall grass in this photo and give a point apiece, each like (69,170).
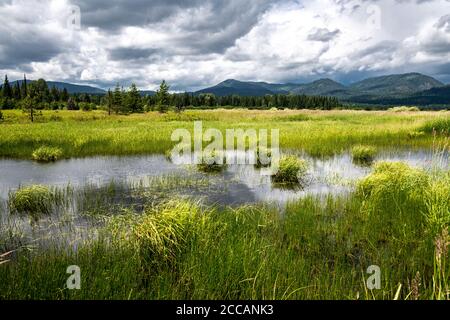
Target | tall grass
(47,154)
(363,154)
(319,248)
(318,132)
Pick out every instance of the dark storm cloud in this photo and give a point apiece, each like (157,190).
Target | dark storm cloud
(127,53)
(115,14)
(228,21)
(206,26)
(24,48)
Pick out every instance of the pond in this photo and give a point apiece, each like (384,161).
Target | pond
(237,184)
(108,184)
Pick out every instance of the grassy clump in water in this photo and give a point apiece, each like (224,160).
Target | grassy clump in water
(47,154)
(291,170)
(34,200)
(363,154)
(212,162)
(315,250)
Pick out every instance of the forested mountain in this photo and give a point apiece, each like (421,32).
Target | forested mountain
(405,88)
(71,88)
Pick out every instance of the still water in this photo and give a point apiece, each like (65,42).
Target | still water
(237,184)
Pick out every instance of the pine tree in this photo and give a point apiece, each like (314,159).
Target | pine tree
(162,97)
(54,93)
(117,99)
(64,95)
(6,89)
(16,91)
(133,101)
(109,101)
(24,90)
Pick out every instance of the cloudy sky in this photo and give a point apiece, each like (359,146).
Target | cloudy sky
(197,43)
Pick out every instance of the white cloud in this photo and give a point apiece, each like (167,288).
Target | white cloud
(201,44)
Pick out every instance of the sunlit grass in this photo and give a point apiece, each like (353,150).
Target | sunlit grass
(80,134)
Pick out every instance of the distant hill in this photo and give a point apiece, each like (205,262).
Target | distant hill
(414,88)
(439,96)
(395,84)
(147,92)
(396,89)
(322,87)
(71,88)
(235,87)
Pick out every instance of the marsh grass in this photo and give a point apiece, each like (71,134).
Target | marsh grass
(440,126)
(47,154)
(292,170)
(404,109)
(319,133)
(34,200)
(319,249)
(363,154)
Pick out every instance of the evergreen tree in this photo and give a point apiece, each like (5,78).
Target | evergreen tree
(117,99)
(16,91)
(6,89)
(54,94)
(64,95)
(24,90)
(162,97)
(133,101)
(109,101)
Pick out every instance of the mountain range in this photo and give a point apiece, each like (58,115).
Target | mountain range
(368,90)
(408,88)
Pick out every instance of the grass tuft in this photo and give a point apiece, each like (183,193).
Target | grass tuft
(33,200)
(363,154)
(47,154)
(439,126)
(291,170)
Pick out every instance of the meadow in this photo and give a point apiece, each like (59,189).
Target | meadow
(170,247)
(319,133)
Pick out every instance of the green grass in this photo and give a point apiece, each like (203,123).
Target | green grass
(317,249)
(440,126)
(404,109)
(80,134)
(363,154)
(33,200)
(47,154)
(292,170)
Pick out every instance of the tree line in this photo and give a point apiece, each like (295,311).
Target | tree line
(37,95)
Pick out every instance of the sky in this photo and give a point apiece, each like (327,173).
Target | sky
(194,44)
